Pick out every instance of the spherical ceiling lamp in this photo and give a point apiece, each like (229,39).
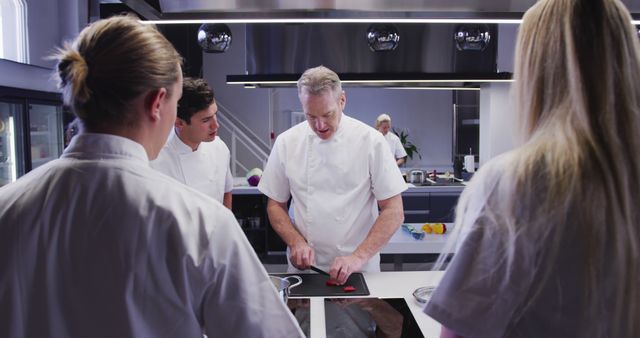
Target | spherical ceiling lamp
(214,38)
(382,37)
(472,37)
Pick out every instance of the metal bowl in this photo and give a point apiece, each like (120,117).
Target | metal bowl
(283,285)
(423,294)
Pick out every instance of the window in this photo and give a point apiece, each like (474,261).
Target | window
(1,38)
(13,30)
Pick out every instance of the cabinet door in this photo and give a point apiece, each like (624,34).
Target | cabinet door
(443,206)
(416,207)
(12,161)
(250,213)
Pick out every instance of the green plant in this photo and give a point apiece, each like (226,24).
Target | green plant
(409,147)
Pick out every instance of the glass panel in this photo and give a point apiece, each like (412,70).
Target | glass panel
(11,142)
(45,128)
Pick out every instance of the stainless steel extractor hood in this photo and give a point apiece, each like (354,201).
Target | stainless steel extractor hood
(426,55)
(279,52)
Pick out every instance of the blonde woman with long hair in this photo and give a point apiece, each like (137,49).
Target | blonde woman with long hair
(551,229)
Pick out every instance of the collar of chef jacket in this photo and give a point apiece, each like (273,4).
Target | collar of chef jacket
(94,146)
(196,167)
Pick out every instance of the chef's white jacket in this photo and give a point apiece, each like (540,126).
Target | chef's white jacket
(98,244)
(206,169)
(335,185)
(396,147)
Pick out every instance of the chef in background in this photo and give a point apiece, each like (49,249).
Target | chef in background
(194,154)
(383,124)
(338,171)
(98,244)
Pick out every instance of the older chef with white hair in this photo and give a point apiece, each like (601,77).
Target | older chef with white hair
(338,172)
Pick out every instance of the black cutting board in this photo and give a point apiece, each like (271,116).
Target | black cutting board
(315,285)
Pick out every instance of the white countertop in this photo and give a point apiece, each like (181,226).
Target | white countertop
(403,243)
(249,190)
(399,284)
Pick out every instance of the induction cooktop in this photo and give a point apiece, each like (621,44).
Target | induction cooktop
(300,307)
(369,318)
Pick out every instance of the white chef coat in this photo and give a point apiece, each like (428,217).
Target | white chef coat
(335,185)
(396,147)
(98,244)
(206,169)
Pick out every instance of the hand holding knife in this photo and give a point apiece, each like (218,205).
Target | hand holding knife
(320,271)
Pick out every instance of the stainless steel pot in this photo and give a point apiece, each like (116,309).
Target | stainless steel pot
(283,285)
(416,176)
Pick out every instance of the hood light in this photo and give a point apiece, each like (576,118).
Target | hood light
(436,88)
(332,20)
(285,82)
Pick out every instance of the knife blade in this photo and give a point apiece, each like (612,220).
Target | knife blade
(320,271)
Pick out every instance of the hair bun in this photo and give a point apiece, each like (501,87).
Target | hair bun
(73,71)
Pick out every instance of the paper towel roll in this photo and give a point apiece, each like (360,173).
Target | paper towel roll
(470,163)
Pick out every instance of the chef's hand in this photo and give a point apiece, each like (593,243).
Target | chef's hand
(343,266)
(302,256)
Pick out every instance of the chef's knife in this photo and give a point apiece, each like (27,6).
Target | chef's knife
(319,270)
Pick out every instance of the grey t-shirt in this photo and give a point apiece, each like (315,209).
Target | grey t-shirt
(483,294)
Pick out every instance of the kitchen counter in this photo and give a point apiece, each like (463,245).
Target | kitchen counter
(249,190)
(403,243)
(388,285)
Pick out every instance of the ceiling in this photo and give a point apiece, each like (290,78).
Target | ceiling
(390,9)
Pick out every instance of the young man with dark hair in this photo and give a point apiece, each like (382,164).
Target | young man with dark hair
(193,154)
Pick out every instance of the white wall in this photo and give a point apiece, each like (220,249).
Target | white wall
(497,120)
(49,22)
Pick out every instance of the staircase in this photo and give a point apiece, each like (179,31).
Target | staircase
(244,141)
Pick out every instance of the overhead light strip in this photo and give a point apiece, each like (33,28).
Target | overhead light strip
(339,20)
(333,20)
(435,88)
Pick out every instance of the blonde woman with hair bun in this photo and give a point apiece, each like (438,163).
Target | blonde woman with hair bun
(98,244)
(549,233)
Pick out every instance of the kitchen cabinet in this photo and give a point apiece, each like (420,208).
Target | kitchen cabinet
(416,207)
(251,212)
(250,208)
(423,206)
(31,130)
(442,206)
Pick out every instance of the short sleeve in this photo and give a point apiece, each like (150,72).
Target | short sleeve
(228,181)
(399,148)
(386,179)
(482,290)
(274,182)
